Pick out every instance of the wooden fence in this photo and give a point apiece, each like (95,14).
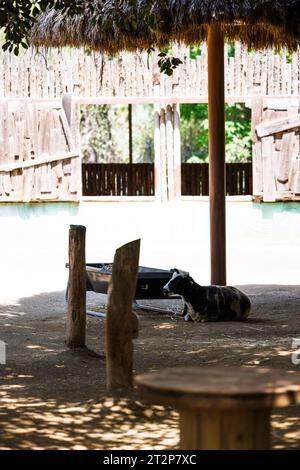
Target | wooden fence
(38,158)
(117,179)
(194,179)
(51,73)
(276,144)
(124,179)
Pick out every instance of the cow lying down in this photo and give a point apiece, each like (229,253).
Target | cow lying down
(208,303)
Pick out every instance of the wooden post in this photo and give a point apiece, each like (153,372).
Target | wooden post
(222,408)
(163,154)
(170,152)
(76,315)
(177,151)
(157,156)
(216,114)
(130,133)
(120,321)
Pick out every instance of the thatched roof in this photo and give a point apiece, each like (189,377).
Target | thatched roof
(256,23)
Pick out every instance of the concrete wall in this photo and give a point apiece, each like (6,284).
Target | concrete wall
(263,240)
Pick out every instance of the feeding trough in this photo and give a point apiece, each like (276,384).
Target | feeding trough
(150,283)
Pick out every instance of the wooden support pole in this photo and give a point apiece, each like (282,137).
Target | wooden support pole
(216,115)
(130,133)
(157,155)
(76,315)
(177,150)
(121,323)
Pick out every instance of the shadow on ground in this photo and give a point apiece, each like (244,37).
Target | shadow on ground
(54,398)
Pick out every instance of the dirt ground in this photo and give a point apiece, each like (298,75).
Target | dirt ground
(54,398)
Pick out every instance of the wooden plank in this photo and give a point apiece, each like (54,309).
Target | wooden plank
(72,111)
(280,104)
(38,161)
(157,156)
(163,155)
(67,130)
(121,324)
(269,187)
(177,151)
(288,142)
(170,152)
(256,115)
(266,129)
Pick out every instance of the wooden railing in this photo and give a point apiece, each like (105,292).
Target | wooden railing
(194,179)
(118,179)
(124,179)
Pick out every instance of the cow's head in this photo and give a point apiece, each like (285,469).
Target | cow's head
(177,284)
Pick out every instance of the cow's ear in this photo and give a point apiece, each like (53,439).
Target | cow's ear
(174,270)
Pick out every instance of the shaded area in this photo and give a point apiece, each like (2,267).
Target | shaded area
(56,399)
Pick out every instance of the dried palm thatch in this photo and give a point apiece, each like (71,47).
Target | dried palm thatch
(103,25)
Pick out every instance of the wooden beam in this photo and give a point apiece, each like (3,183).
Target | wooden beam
(38,161)
(155,99)
(216,114)
(280,103)
(281,125)
(66,129)
(285,162)
(76,315)
(177,151)
(121,323)
(130,133)
(170,152)
(269,187)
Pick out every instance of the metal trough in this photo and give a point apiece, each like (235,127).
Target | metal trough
(150,283)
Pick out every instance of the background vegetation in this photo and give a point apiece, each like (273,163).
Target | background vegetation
(105,135)
(194,133)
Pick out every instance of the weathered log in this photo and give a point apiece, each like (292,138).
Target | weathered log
(76,315)
(121,323)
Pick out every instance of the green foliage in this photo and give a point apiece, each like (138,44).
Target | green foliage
(195,51)
(168,63)
(105,133)
(18,16)
(194,133)
(231,49)
(142,133)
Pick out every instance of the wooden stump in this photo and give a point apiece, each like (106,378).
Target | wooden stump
(121,323)
(225,429)
(76,315)
(224,408)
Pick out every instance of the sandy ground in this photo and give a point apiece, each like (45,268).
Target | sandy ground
(54,398)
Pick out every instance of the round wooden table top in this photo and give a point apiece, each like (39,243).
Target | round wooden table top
(221,387)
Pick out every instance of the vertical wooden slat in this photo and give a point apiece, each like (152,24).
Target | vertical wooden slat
(269,188)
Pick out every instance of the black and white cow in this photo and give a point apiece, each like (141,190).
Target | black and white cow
(208,303)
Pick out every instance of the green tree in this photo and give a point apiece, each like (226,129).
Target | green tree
(17,17)
(105,133)
(194,132)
